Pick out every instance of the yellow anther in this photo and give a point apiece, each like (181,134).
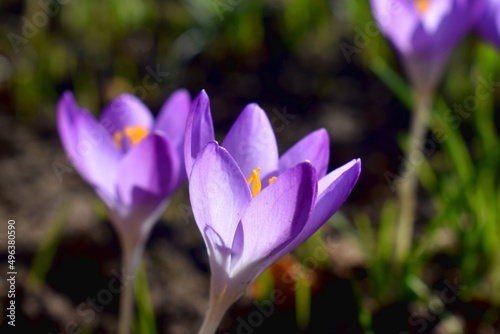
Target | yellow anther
(422,6)
(255,180)
(271,180)
(136,133)
(117,139)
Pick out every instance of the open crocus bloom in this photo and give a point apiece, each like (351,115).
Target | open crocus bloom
(252,206)
(133,163)
(489,22)
(425,32)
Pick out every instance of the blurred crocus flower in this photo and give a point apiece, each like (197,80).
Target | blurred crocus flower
(248,224)
(133,162)
(489,23)
(424,32)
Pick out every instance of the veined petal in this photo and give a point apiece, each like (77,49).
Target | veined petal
(315,147)
(333,190)
(199,129)
(251,142)
(145,179)
(274,218)
(171,121)
(219,195)
(125,110)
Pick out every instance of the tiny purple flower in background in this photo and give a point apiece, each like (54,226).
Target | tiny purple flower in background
(246,224)
(424,32)
(133,162)
(489,22)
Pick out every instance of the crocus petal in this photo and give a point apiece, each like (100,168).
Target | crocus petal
(219,193)
(398,20)
(441,28)
(251,142)
(315,148)
(67,111)
(97,157)
(173,115)
(148,166)
(489,24)
(125,110)
(439,31)
(88,146)
(333,190)
(274,218)
(199,129)
(424,40)
(172,122)
(145,179)
(434,16)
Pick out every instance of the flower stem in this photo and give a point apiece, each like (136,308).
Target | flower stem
(212,319)
(218,304)
(131,257)
(408,182)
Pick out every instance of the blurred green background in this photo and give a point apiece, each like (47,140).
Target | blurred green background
(322,62)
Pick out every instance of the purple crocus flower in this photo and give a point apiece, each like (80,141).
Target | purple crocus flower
(133,162)
(424,32)
(246,224)
(489,23)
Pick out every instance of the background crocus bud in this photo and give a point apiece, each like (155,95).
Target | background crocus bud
(424,32)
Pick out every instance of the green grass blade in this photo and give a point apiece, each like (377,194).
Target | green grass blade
(366,236)
(387,230)
(393,80)
(45,255)
(453,143)
(263,287)
(487,63)
(146,322)
(302,300)
(486,213)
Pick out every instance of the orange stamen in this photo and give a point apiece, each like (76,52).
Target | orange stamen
(422,6)
(136,133)
(271,180)
(255,179)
